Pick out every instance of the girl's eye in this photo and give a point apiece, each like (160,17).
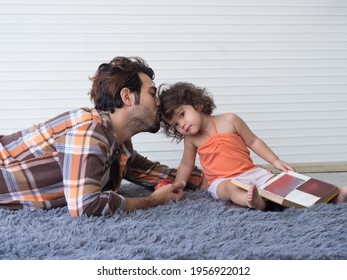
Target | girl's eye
(182,115)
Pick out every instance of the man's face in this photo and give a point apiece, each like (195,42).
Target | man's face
(146,114)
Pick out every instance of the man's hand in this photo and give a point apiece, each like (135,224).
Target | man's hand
(169,192)
(164,194)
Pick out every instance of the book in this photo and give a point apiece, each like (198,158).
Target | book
(292,189)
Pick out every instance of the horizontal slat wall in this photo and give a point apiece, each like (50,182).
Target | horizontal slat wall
(281,65)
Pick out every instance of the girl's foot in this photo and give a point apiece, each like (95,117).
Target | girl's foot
(254,200)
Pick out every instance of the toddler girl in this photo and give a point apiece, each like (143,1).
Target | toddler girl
(222,143)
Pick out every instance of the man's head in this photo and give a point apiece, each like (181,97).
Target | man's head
(114,82)
(111,78)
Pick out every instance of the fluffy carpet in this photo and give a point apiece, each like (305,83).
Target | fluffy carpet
(197,227)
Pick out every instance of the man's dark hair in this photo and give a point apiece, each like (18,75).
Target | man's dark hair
(110,78)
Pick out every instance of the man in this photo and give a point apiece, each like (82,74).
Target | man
(79,158)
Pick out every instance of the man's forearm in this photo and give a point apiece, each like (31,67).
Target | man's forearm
(136,203)
(147,173)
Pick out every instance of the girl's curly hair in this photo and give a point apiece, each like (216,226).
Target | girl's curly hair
(171,97)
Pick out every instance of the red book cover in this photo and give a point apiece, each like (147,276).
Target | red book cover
(317,188)
(284,185)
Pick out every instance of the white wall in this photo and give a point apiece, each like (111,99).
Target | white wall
(281,65)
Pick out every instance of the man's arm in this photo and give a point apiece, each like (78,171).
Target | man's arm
(82,157)
(171,192)
(83,153)
(144,172)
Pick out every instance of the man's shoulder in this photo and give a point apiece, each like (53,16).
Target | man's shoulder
(75,119)
(86,116)
(97,121)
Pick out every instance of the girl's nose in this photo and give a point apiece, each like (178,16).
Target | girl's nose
(181,124)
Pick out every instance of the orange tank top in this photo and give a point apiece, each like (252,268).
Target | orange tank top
(224,155)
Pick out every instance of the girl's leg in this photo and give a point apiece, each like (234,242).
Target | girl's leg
(204,184)
(251,198)
(342,196)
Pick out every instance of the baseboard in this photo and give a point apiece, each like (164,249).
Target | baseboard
(325,167)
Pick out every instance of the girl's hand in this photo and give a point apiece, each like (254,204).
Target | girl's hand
(283,166)
(169,192)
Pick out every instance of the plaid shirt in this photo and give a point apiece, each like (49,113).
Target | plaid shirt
(73,160)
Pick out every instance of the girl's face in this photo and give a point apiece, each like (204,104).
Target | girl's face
(186,120)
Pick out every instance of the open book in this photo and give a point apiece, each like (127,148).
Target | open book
(292,189)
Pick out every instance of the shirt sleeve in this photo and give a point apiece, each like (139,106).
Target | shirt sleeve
(83,153)
(144,172)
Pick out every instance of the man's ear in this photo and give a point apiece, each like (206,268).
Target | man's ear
(127,96)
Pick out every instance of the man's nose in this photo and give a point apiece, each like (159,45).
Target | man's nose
(157,100)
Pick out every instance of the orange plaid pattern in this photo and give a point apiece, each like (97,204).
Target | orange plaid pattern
(63,160)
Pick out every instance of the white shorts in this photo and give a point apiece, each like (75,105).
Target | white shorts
(257,176)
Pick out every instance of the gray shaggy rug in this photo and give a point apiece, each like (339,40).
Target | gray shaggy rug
(195,228)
